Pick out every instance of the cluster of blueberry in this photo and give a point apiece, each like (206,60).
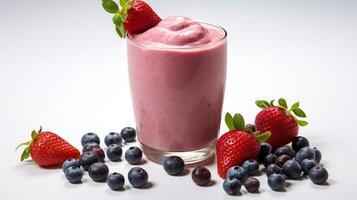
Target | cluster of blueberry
(92,160)
(283,163)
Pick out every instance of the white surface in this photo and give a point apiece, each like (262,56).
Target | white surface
(62,66)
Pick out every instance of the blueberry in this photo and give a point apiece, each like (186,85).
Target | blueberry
(307,164)
(201,176)
(317,155)
(98,171)
(269,159)
(99,152)
(305,153)
(90,137)
(265,149)
(69,163)
(128,134)
(232,185)
(138,177)
(115,181)
(318,175)
(299,142)
(174,165)
(276,182)
(237,172)
(112,138)
(251,166)
(292,169)
(87,159)
(284,150)
(89,145)
(74,174)
(281,160)
(114,152)
(273,169)
(252,185)
(133,155)
(250,127)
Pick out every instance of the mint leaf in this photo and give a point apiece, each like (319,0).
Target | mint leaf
(117,20)
(229,121)
(238,121)
(118,29)
(262,104)
(302,123)
(295,105)
(298,112)
(282,103)
(110,6)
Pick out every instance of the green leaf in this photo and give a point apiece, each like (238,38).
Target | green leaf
(123,3)
(238,121)
(117,20)
(263,137)
(295,105)
(121,31)
(302,123)
(23,144)
(229,121)
(25,153)
(262,104)
(272,102)
(298,112)
(282,103)
(110,6)
(34,134)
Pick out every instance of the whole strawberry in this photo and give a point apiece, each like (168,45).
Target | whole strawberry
(280,121)
(237,145)
(48,149)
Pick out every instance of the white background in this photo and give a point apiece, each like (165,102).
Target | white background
(62,66)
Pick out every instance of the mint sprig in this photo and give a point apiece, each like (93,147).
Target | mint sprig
(120,14)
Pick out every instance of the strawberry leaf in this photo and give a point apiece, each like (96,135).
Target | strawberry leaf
(262,104)
(25,153)
(110,6)
(272,102)
(34,134)
(117,20)
(238,121)
(123,3)
(262,137)
(302,123)
(282,103)
(229,121)
(298,112)
(23,144)
(121,31)
(295,105)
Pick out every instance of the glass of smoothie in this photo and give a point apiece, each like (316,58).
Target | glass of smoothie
(177,73)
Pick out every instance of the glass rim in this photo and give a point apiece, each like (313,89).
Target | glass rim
(129,38)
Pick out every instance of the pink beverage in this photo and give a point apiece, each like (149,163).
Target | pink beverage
(177,72)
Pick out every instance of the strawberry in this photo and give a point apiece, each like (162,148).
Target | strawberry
(48,149)
(237,145)
(280,121)
(134,16)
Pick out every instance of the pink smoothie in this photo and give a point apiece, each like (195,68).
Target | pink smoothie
(177,73)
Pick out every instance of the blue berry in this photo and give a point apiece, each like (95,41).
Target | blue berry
(265,149)
(284,150)
(115,181)
(276,182)
(114,152)
(251,166)
(74,174)
(133,155)
(269,159)
(69,163)
(317,155)
(90,137)
(100,153)
(307,164)
(174,165)
(201,176)
(87,159)
(98,171)
(305,153)
(281,160)
(273,169)
(252,185)
(237,172)
(292,169)
(89,146)
(318,175)
(232,185)
(128,134)
(112,138)
(299,142)
(138,177)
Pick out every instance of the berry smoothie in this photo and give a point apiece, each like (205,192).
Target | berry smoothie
(177,73)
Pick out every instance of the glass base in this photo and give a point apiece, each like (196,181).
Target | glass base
(190,157)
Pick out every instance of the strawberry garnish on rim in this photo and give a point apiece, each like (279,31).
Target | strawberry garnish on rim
(237,145)
(134,16)
(280,120)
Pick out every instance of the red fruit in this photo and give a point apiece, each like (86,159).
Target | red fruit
(280,121)
(237,145)
(141,17)
(48,149)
